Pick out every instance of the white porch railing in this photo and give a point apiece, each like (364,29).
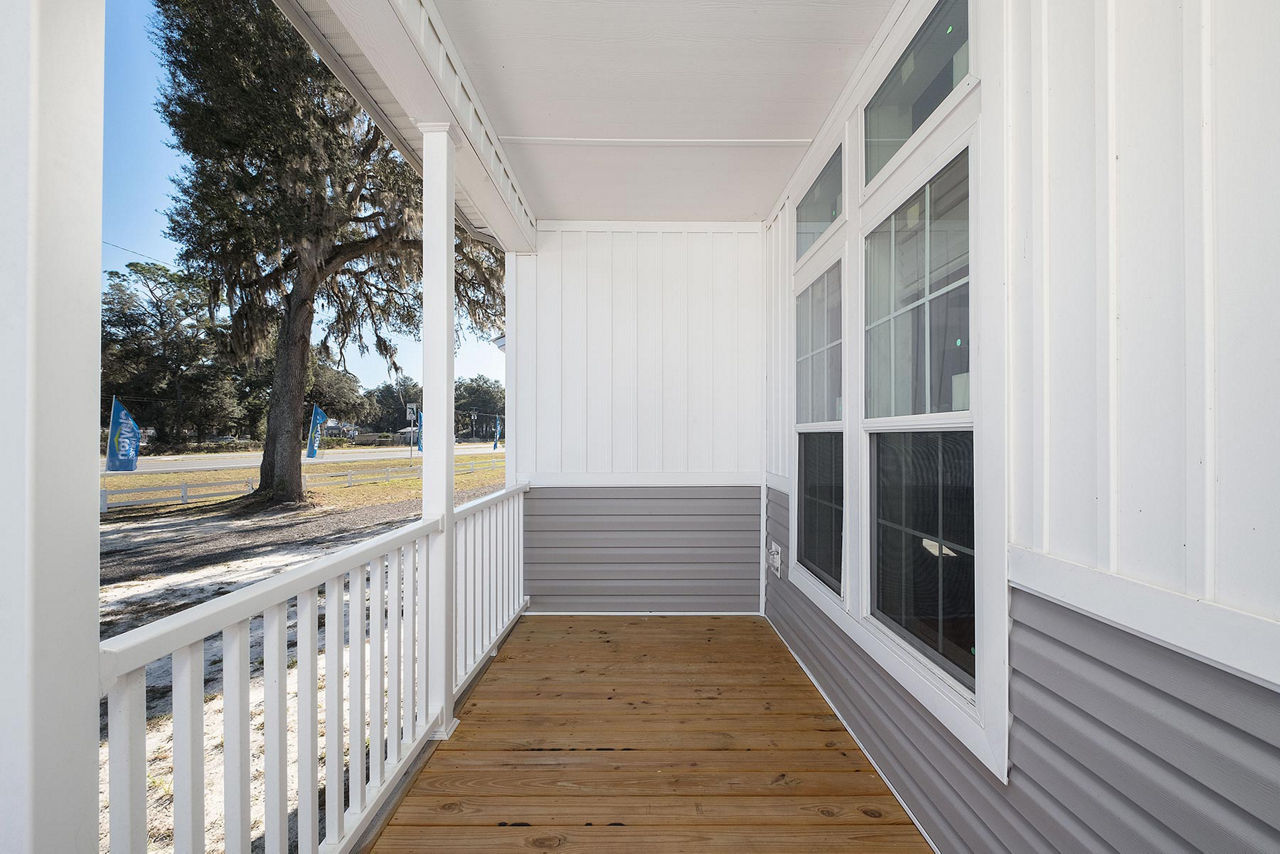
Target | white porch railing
(368,605)
(488,589)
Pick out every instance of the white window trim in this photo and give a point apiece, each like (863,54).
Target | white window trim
(979,719)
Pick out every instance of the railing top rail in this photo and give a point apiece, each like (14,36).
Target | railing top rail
(473,507)
(139,647)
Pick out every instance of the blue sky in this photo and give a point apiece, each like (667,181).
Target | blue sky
(138,163)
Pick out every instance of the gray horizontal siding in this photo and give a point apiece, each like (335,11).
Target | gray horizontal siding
(777,523)
(614,549)
(1117,744)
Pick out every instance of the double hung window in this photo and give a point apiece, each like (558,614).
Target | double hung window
(917,364)
(819,403)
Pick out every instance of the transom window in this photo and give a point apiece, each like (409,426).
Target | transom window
(917,301)
(933,64)
(821,205)
(818,350)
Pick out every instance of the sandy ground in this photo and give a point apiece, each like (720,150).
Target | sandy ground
(159,563)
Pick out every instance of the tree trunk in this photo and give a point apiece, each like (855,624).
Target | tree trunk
(280,477)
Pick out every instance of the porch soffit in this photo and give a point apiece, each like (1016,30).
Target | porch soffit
(658,110)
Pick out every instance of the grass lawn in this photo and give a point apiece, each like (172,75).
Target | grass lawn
(327,496)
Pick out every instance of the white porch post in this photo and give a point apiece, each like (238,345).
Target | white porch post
(437,406)
(510,286)
(51,59)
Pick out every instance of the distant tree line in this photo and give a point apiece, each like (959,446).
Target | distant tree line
(164,356)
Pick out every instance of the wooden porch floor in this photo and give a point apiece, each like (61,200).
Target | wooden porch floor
(648,734)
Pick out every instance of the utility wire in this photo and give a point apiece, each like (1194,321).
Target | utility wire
(134,252)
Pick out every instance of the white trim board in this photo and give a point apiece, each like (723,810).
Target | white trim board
(696,478)
(1240,643)
(622,225)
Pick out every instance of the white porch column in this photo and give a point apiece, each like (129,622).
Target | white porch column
(510,286)
(437,407)
(51,61)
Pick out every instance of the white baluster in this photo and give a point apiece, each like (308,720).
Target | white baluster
(127,761)
(275,733)
(356,687)
(393,656)
(188,749)
(377,664)
(421,547)
(235,737)
(409,625)
(308,826)
(334,630)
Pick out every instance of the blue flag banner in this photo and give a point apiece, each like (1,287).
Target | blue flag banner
(318,418)
(497,433)
(122,440)
(420,431)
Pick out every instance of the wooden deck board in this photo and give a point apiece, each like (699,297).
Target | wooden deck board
(647,733)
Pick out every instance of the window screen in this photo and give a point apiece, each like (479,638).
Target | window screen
(922,544)
(821,509)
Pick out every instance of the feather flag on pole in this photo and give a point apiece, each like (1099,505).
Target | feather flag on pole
(318,418)
(122,439)
(420,419)
(497,433)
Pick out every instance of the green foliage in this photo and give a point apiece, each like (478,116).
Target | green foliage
(334,389)
(479,394)
(384,405)
(160,355)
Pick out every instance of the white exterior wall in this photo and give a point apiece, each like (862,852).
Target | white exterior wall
(641,355)
(1128,217)
(1145,380)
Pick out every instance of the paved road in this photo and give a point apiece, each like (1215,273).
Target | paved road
(213,462)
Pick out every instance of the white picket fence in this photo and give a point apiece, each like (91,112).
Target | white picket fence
(185,493)
(373,601)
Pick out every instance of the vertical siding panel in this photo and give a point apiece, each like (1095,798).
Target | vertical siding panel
(625,364)
(650,340)
(574,352)
(599,366)
(1150,301)
(706,319)
(526,354)
(750,366)
(1246,255)
(726,333)
(771,344)
(548,352)
(675,354)
(1075,341)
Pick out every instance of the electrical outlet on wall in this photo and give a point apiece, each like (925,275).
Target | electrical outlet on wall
(775,558)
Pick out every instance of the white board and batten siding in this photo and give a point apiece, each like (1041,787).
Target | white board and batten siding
(1144,376)
(641,351)
(1140,407)
(640,416)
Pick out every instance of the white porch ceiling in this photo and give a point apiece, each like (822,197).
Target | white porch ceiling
(658,109)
